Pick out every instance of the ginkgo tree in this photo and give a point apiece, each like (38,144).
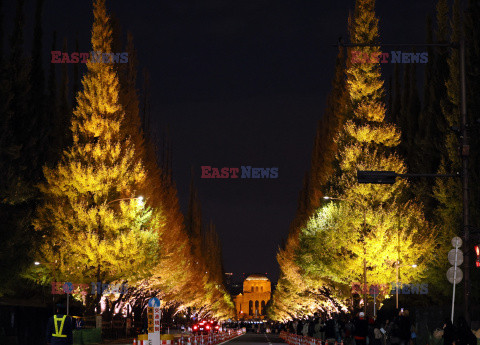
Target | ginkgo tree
(375,225)
(95,225)
(371,229)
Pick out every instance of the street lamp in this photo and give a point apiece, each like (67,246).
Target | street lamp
(52,267)
(364,209)
(397,267)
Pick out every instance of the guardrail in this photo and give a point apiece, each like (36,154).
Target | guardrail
(295,339)
(201,339)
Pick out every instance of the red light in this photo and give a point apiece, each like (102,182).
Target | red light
(195,327)
(477,250)
(477,263)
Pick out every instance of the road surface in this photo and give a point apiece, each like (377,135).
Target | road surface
(256,339)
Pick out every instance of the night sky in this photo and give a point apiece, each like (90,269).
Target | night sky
(239,83)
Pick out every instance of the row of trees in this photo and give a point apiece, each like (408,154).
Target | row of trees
(103,207)
(377,226)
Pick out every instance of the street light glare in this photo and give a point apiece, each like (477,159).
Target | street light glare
(326,197)
(36,263)
(140,198)
(414,266)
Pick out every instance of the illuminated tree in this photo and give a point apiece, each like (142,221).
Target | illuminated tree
(447,192)
(374,223)
(394,229)
(291,287)
(94,226)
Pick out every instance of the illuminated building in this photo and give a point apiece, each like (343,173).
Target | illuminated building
(251,304)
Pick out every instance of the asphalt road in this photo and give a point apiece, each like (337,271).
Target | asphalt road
(251,339)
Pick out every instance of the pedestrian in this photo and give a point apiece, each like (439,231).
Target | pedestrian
(405,327)
(448,332)
(330,335)
(318,329)
(60,328)
(361,329)
(377,334)
(311,327)
(323,329)
(394,332)
(305,327)
(333,329)
(293,326)
(299,327)
(463,333)
(413,332)
(349,328)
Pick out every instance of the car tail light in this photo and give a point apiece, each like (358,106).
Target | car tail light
(208,327)
(195,327)
(216,327)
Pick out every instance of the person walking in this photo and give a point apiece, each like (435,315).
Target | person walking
(318,329)
(405,326)
(360,332)
(377,334)
(448,333)
(305,327)
(293,326)
(463,333)
(60,328)
(349,327)
(311,326)
(330,334)
(299,327)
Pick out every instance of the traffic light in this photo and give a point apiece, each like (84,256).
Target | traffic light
(376,177)
(477,251)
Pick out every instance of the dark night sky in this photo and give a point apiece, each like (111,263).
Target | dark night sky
(239,82)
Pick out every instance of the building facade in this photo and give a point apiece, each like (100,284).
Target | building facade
(251,304)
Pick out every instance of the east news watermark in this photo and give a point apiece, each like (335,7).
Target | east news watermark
(392,57)
(404,289)
(245,172)
(95,57)
(61,288)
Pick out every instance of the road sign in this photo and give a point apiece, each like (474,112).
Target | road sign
(68,288)
(374,290)
(456,242)
(153,313)
(451,256)
(451,274)
(154,302)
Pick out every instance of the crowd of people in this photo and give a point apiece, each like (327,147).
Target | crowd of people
(359,330)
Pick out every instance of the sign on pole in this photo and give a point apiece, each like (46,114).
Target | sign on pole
(455,255)
(455,274)
(454,277)
(153,313)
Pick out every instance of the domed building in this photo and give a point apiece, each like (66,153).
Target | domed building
(251,304)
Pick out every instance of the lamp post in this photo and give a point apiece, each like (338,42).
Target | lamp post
(397,267)
(364,209)
(52,266)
